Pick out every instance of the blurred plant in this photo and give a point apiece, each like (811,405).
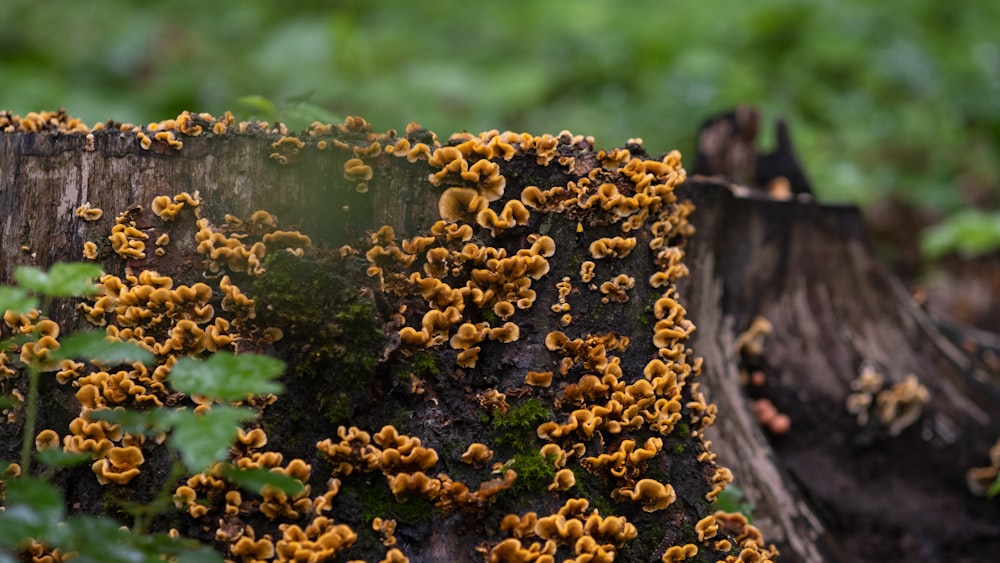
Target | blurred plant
(969,233)
(297,113)
(733,499)
(34,509)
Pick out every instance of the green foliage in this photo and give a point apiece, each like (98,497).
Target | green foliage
(65,279)
(297,113)
(227,377)
(733,499)
(969,232)
(17,300)
(95,346)
(32,506)
(204,439)
(884,97)
(57,457)
(255,480)
(35,509)
(994,489)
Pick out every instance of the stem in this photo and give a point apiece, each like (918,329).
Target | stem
(30,411)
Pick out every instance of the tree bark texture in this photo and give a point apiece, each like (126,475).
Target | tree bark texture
(828,489)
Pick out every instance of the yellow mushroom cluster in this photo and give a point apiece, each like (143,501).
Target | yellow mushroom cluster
(405,463)
(240,246)
(169,320)
(592,537)
(748,538)
(896,407)
(457,278)
(38,122)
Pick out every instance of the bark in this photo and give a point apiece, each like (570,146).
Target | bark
(841,490)
(828,490)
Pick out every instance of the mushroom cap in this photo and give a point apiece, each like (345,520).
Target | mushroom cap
(477,454)
(538,378)
(706,528)
(46,439)
(355,169)
(652,494)
(507,333)
(563,480)
(456,203)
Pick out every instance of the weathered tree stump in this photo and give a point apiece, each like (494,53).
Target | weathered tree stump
(829,489)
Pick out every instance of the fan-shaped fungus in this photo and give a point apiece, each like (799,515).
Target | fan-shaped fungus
(456,204)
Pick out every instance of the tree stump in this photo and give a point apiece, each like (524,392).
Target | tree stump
(828,489)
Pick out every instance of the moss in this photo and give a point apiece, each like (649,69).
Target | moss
(377,501)
(331,332)
(413,510)
(534,472)
(678,448)
(516,427)
(335,407)
(546,225)
(490,317)
(424,366)
(682,430)
(602,503)
(646,543)
(646,317)
(402,419)
(330,328)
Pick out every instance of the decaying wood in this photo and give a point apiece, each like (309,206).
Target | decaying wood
(828,490)
(841,491)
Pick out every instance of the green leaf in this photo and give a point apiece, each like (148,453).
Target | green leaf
(299,115)
(64,279)
(254,480)
(16,299)
(226,376)
(100,540)
(34,508)
(8,401)
(136,422)
(733,499)
(994,489)
(203,439)
(57,457)
(257,104)
(94,345)
(190,551)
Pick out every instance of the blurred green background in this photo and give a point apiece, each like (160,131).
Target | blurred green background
(896,100)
